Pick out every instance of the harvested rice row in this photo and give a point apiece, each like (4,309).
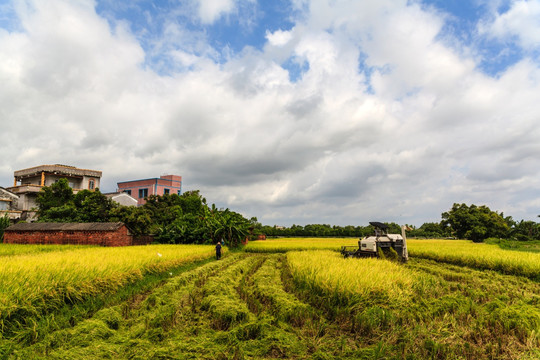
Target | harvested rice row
(268,288)
(124,332)
(221,298)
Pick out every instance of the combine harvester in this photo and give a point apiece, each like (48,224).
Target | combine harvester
(380,243)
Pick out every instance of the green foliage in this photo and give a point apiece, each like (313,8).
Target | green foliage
(57,203)
(231,227)
(527,246)
(475,223)
(137,219)
(4,223)
(523,230)
(319,230)
(187,219)
(93,206)
(429,230)
(56,195)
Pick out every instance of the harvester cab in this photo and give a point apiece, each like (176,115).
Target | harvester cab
(380,244)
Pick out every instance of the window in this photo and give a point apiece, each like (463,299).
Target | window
(179,192)
(166,191)
(143,193)
(91,185)
(128,192)
(3,205)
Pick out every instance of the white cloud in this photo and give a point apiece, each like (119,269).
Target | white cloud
(521,21)
(211,10)
(278,37)
(399,136)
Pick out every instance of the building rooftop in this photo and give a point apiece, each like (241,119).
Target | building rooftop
(56,169)
(104,226)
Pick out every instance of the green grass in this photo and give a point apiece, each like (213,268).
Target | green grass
(528,246)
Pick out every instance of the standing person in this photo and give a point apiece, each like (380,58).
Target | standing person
(218,250)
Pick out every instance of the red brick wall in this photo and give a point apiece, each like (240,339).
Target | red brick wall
(120,237)
(142,240)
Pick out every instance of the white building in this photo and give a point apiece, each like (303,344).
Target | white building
(9,204)
(28,182)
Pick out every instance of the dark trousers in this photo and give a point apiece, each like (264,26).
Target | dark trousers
(218,255)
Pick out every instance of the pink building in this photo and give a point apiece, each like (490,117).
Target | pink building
(141,189)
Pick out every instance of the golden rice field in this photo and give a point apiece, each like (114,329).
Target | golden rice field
(483,256)
(36,281)
(461,252)
(285,298)
(299,244)
(368,279)
(17,249)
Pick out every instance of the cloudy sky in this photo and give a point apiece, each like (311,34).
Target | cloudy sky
(293,111)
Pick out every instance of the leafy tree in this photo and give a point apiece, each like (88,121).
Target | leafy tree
(429,230)
(137,219)
(164,209)
(57,203)
(93,206)
(473,222)
(192,202)
(232,227)
(4,223)
(56,195)
(524,230)
(63,213)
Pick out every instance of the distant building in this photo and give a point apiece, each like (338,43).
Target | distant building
(28,182)
(122,198)
(8,204)
(141,189)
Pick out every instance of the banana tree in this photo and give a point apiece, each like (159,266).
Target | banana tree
(231,227)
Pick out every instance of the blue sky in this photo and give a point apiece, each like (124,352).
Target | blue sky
(249,23)
(299,111)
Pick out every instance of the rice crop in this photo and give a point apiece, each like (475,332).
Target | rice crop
(460,252)
(350,281)
(283,245)
(478,255)
(32,284)
(308,305)
(18,249)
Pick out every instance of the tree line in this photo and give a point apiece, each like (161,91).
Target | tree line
(187,218)
(462,221)
(173,219)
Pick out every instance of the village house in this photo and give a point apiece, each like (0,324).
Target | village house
(141,189)
(8,204)
(28,183)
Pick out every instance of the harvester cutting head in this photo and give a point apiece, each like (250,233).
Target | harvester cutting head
(380,245)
